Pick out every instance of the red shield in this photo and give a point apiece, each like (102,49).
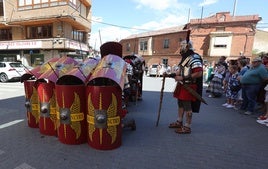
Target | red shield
(47,121)
(71,114)
(110,67)
(57,69)
(81,71)
(31,103)
(39,70)
(104,121)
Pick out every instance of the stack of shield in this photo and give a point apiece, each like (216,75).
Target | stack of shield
(79,102)
(71,102)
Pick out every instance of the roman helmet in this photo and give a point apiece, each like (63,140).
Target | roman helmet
(185,46)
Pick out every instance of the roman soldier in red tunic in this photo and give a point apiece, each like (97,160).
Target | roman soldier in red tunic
(190,73)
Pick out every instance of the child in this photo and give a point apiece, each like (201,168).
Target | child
(232,87)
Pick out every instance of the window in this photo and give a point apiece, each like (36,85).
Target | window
(5,34)
(220,29)
(143,45)
(165,62)
(166,43)
(220,42)
(44,31)
(33,4)
(79,36)
(128,47)
(1,8)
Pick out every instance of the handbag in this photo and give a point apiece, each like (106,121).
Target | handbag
(235,87)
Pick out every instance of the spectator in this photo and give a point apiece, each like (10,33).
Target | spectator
(243,66)
(210,74)
(264,118)
(222,61)
(146,70)
(233,87)
(215,86)
(158,70)
(261,94)
(225,83)
(251,84)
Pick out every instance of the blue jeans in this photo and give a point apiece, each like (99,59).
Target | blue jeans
(249,95)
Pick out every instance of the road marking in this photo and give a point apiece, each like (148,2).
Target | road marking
(10,123)
(24,166)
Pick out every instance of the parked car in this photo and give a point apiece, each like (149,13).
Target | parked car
(11,71)
(152,71)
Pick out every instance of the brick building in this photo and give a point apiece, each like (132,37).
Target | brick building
(214,36)
(34,31)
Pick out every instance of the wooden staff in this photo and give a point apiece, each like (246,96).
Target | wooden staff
(53,70)
(161,99)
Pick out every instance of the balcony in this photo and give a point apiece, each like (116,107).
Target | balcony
(40,14)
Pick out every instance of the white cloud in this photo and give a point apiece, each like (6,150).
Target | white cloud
(155,4)
(167,13)
(95,18)
(169,21)
(111,33)
(208,2)
(106,34)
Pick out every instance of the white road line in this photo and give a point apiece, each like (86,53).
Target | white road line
(10,123)
(9,89)
(24,166)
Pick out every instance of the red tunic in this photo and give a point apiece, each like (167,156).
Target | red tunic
(182,94)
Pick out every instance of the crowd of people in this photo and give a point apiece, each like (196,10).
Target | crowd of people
(243,82)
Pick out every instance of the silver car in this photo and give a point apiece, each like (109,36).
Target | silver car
(11,71)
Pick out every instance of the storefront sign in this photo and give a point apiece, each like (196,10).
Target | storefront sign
(76,45)
(21,45)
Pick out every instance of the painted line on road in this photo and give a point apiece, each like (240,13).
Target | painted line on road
(10,123)
(24,166)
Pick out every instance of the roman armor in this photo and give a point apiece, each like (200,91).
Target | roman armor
(190,61)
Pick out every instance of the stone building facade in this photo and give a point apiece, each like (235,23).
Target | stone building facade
(33,31)
(212,37)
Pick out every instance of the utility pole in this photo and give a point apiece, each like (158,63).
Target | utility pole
(234,10)
(100,38)
(189,12)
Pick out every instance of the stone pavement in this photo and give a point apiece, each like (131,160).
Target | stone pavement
(221,139)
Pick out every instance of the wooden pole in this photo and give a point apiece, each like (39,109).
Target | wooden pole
(161,100)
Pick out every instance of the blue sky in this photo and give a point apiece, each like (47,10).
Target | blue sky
(113,20)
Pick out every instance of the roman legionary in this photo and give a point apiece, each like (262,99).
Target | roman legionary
(189,75)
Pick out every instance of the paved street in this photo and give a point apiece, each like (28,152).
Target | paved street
(221,138)
(11,89)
